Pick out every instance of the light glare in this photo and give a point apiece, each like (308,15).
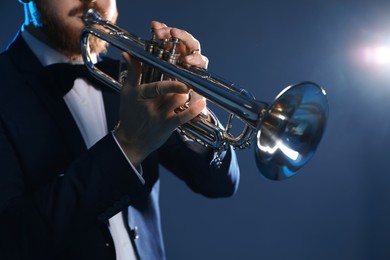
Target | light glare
(290,153)
(378,55)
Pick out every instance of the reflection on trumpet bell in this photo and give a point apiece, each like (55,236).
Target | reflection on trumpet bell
(288,130)
(291,130)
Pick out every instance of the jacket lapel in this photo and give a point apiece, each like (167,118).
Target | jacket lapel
(29,65)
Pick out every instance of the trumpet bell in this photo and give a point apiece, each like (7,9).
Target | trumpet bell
(291,130)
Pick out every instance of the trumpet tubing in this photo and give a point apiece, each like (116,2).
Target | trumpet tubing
(287,131)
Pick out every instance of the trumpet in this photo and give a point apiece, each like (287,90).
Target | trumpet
(287,131)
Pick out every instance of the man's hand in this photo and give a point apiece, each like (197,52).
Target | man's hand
(147,111)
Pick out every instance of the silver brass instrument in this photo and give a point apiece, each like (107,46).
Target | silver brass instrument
(288,130)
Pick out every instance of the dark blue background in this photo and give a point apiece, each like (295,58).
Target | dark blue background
(338,207)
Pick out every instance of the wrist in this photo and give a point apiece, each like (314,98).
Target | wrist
(133,154)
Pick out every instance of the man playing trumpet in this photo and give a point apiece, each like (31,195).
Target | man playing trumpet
(71,187)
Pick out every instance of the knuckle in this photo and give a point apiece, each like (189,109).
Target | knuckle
(196,42)
(161,88)
(177,32)
(205,61)
(140,92)
(163,32)
(157,89)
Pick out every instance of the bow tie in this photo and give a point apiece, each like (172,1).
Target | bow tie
(61,76)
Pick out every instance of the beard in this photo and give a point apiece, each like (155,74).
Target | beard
(66,39)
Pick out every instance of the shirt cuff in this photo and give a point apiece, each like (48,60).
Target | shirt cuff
(139,171)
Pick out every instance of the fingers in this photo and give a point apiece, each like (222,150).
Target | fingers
(162,31)
(195,97)
(196,60)
(157,25)
(160,88)
(189,46)
(170,98)
(188,114)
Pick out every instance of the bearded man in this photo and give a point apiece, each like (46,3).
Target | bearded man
(71,187)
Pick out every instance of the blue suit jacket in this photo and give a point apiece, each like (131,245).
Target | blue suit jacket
(56,196)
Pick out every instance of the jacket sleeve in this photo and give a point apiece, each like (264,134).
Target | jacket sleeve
(36,224)
(195,165)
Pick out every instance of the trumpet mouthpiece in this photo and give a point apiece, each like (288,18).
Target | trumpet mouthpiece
(92,17)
